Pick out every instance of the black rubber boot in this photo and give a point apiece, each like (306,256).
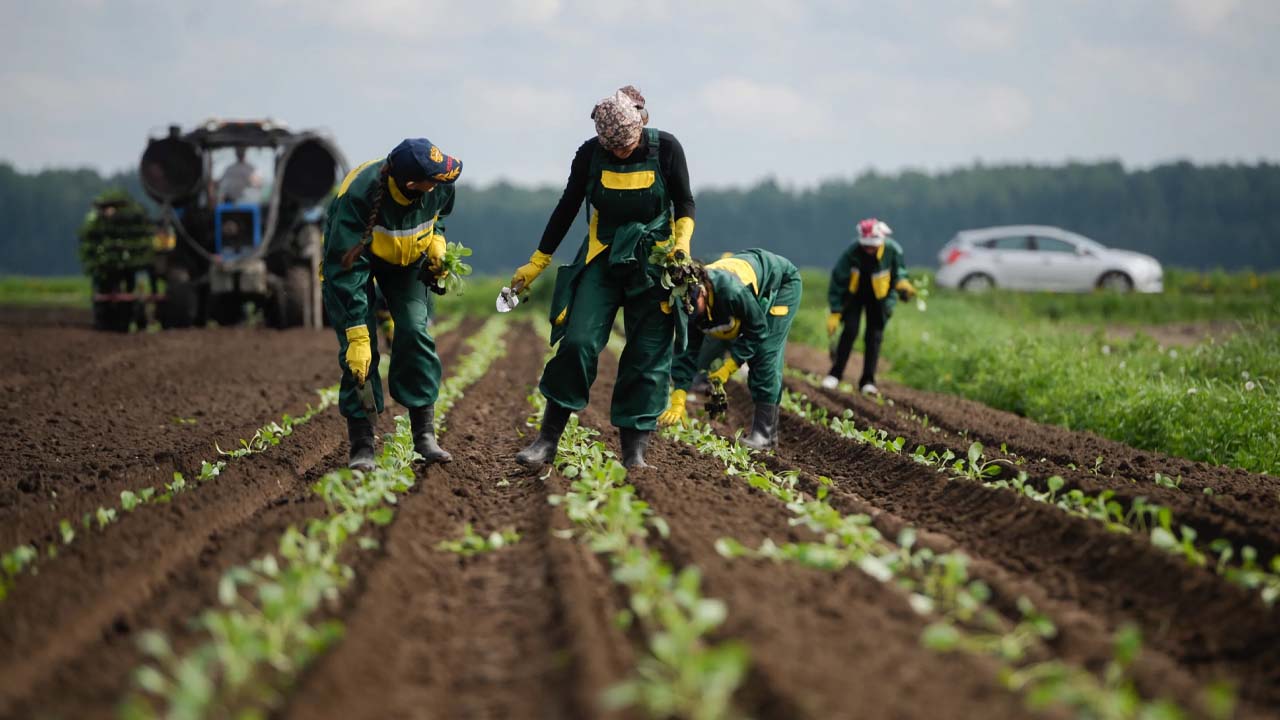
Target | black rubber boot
(634,443)
(423,421)
(360,435)
(764,428)
(543,448)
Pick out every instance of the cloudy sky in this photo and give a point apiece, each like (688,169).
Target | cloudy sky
(801,90)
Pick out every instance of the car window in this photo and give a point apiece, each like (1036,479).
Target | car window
(1044,244)
(1005,243)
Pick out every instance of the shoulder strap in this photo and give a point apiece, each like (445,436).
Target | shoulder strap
(593,174)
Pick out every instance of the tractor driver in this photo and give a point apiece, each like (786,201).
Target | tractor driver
(238,178)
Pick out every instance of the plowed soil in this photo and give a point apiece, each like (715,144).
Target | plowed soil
(531,631)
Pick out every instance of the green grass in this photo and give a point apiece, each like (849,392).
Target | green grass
(1188,297)
(1215,401)
(72,291)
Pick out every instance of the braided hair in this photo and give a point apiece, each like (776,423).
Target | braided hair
(695,277)
(350,258)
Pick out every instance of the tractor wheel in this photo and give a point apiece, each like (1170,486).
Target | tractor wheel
(290,295)
(226,309)
(178,309)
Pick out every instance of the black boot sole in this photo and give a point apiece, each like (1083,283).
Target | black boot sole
(445,460)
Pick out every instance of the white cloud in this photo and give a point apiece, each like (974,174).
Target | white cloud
(1111,76)
(499,105)
(1204,15)
(778,110)
(976,33)
(948,111)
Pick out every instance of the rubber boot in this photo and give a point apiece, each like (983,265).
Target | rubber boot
(543,448)
(360,436)
(634,443)
(423,422)
(764,428)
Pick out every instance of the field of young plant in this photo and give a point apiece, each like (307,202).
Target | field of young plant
(1190,372)
(179,539)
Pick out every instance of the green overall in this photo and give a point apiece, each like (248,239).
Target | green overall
(611,271)
(404,227)
(755,295)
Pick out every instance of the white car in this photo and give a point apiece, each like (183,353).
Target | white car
(1040,257)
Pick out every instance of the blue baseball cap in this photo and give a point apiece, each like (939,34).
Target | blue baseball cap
(416,159)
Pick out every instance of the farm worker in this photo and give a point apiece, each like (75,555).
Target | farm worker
(238,178)
(384,224)
(748,301)
(636,185)
(860,282)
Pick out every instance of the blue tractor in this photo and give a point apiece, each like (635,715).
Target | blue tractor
(232,257)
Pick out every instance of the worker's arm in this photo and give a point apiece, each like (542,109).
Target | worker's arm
(348,216)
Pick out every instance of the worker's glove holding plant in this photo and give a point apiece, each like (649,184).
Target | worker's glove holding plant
(919,291)
(444,270)
(718,400)
(677,273)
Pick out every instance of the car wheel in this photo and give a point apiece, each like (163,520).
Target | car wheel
(1115,281)
(977,282)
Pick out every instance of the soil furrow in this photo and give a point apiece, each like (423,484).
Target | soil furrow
(494,635)
(83,437)
(1249,498)
(822,644)
(156,567)
(1209,627)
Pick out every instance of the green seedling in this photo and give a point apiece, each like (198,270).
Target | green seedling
(472,543)
(453,269)
(263,632)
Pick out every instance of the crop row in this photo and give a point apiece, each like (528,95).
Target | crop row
(1141,516)
(1214,401)
(684,673)
(937,585)
(25,558)
(263,633)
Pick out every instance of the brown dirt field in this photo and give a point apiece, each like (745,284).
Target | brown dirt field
(1098,579)
(67,633)
(530,631)
(822,644)
(524,632)
(1244,506)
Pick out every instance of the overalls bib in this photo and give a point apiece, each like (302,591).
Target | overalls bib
(629,214)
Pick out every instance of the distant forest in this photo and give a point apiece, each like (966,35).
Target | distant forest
(1186,215)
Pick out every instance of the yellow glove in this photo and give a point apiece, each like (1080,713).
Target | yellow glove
(359,354)
(726,371)
(527,273)
(833,323)
(435,253)
(906,290)
(676,411)
(683,236)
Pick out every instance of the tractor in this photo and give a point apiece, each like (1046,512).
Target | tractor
(226,257)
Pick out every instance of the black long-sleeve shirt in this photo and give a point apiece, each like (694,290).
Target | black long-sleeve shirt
(671,163)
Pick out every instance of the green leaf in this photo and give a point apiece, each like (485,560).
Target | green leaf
(940,637)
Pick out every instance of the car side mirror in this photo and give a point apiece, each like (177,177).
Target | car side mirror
(1083,252)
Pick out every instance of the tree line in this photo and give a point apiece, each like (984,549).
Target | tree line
(1193,216)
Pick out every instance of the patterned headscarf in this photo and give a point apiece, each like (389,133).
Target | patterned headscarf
(618,120)
(633,92)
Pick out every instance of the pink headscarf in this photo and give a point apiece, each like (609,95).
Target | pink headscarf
(619,119)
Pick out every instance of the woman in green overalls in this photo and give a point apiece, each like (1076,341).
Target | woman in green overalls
(636,184)
(747,300)
(384,225)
